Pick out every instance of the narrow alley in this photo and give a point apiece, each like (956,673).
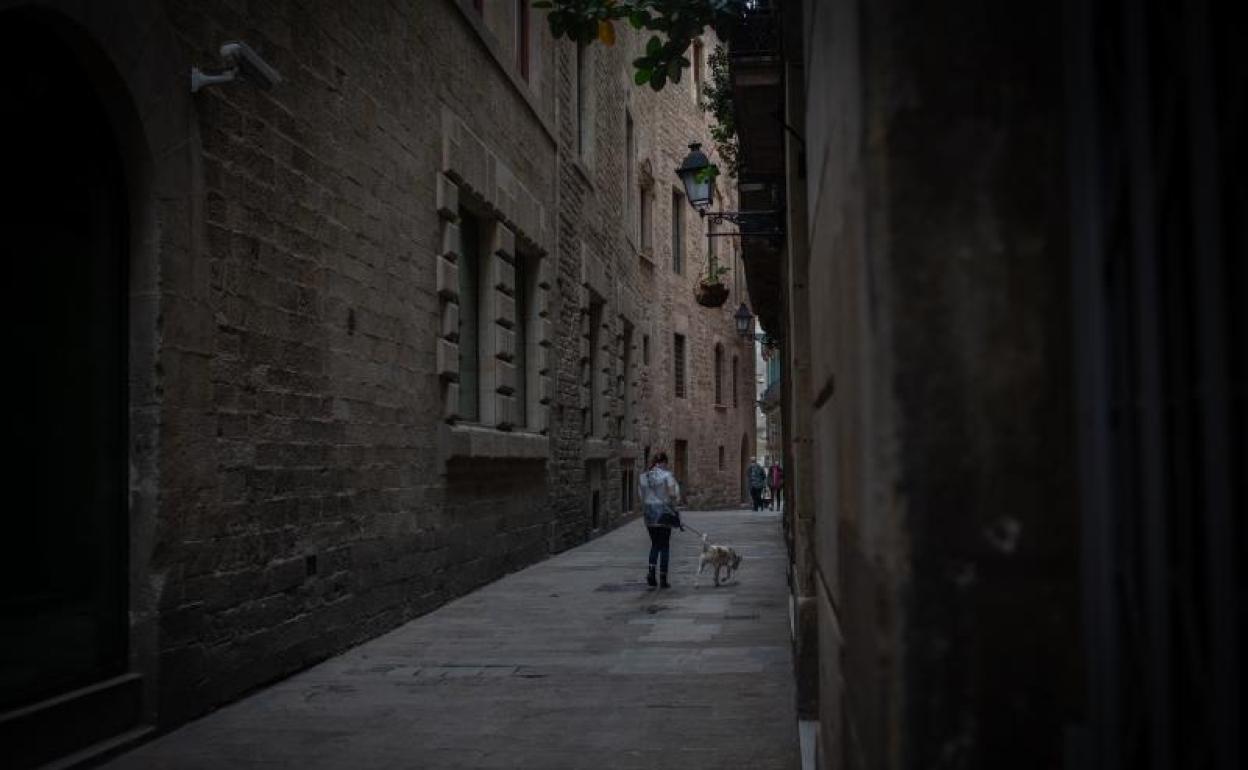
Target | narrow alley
(350,344)
(571,663)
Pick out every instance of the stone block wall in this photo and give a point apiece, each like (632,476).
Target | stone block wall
(326,498)
(302,476)
(943,568)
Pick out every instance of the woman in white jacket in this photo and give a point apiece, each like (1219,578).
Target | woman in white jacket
(659,493)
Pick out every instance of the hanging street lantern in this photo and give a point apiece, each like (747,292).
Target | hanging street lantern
(745,322)
(693,173)
(698,176)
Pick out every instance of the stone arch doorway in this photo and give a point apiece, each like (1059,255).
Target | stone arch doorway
(80,206)
(63,584)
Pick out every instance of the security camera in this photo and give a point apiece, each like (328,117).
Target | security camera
(249,64)
(239,59)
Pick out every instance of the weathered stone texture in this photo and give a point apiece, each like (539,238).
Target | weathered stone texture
(937,329)
(303,477)
(316,511)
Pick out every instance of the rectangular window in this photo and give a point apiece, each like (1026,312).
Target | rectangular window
(719,374)
(736,277)
(734,382)
(699,55)
(721,457)
(522,38)
(626,383)
(469,321)
(678,232)
(628,483)
(630,165)
(524,311)
(678,364)
(645,217)
(596,423)
(582,100)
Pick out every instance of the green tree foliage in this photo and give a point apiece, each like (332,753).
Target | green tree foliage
(717,101)
(675,24)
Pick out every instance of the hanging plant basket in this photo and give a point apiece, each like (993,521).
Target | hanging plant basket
(711,294)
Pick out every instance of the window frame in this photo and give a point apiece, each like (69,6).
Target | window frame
(525,266)
(626,374)
(470,304)
(678,232)
(680,347)
(584,102)
(735,366)
(699,70)
(522,41)
(631,228)
(719,375)
(645,219)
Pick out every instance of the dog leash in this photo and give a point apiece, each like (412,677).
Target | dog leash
(691,529)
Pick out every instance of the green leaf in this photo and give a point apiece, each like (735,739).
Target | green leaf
(658,79)
(654,46)
(708,174)
(638,19)
(641,77)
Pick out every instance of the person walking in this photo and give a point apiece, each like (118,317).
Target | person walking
(775,481)
(757,478)
(659,493)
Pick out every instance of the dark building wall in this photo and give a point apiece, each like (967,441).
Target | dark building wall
(306,503)
(947,519)
(300,477)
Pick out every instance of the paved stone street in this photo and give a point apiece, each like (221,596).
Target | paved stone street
(571,663)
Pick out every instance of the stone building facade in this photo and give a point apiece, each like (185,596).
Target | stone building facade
(1014,368)
(379,335)
(650,368)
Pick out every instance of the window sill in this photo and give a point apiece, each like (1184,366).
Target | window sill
(597,449)
(721,407)
(476,441)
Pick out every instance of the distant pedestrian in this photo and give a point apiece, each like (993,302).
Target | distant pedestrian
(659,494)
(757,478)
(775,481)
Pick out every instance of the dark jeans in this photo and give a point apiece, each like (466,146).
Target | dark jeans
(660,547)
(775,497)
(756,493)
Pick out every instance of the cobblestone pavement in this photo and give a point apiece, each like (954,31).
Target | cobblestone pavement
(571,663)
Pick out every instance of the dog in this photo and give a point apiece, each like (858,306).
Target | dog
(719,557)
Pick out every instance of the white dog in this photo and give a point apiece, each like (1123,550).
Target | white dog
(719,557)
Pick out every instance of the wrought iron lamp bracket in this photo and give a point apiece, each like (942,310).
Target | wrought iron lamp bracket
(758,224)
